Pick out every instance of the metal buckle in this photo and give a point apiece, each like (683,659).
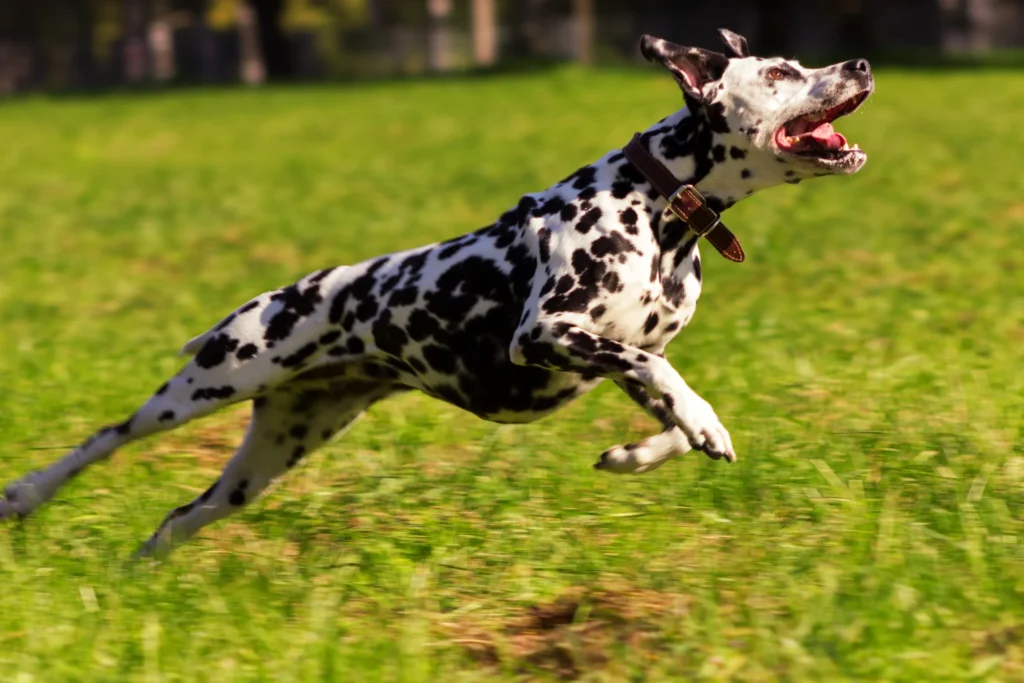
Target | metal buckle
(696,196)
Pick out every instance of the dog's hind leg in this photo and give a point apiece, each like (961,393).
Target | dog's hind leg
(287,424)
(175,403)
(228,367)
(651,453)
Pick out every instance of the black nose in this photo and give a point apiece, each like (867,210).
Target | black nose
(857,65)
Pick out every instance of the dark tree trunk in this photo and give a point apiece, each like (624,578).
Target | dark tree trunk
(134,46)
(274,44)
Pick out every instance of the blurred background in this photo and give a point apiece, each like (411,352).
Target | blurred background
(82,44)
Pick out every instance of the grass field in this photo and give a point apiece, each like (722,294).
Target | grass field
(867,360)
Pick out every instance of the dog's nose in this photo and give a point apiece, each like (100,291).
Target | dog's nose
(857,65)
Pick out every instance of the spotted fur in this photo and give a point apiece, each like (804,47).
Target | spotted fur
(585,281)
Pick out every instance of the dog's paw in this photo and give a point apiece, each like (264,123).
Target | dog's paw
(706,432)
(644,456)
(21,497)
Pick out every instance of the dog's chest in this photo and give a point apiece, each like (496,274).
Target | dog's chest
(649,315)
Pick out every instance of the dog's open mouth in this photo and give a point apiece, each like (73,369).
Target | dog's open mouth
(812,135)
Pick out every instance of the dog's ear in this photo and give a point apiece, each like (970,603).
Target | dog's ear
(736,43)
(692,67)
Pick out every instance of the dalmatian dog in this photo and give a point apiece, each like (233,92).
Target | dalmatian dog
(585,281)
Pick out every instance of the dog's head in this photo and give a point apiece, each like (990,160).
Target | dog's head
(770,110)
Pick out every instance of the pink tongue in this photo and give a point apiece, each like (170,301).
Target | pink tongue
(828,137)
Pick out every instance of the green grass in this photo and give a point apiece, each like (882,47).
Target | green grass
(866,359)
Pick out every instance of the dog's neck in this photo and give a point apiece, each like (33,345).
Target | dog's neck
(721,165)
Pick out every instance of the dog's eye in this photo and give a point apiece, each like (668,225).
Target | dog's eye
(776,74)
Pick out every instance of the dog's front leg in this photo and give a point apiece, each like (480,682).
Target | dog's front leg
(652,452)
(557,344)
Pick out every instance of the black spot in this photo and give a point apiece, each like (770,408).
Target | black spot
(355,345)
(246,352)
(697,267)
(652,322)
(163,389)
(597,311)
(414,263)
(613,243)
(367,308)
(629,219)
(718,153)
(517,215)
(404,297)
(612,283)
(215,351)
(125,427)
(565,283)
(326,434)
(745,173)
(320,275)
(225,322)
(582,262)
(166,416)
(548,286)
(440,358)
(611,360)
(544,237)
(672,327)
(208,493)
(452,248)
(237,497)
(569,212)
(299,432)
(585,177)
(299,356)
(790,173)
(550,207)
(280,326)
(211,393)
(463,285)
(378,371)
(296,456)
(589,220)
(673,290)
(388,337)
(359,289)
(248,307)
(422,325)
(330,337)
(259,402)
(622,189)
(737,153)
(417,365)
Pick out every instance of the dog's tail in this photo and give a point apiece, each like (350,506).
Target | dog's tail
(193,345)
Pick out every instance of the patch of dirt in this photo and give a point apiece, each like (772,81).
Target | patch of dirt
(576,633)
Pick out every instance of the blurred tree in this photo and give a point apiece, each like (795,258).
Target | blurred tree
(583,25)
(273,42)
(161,41)
(439,47)
(135,58)
(485,33)
(253,70)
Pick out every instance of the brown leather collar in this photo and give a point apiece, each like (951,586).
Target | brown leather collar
(684,201)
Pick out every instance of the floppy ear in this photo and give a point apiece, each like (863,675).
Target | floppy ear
(692,67)
(736,43)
